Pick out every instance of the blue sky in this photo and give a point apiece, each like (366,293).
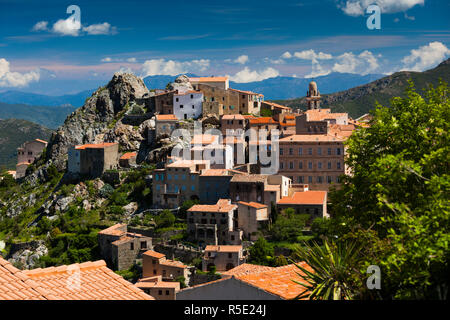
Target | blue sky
(247,40)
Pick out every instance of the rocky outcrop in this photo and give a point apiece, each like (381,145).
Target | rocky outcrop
(181,83)
(28,257)
(92,122)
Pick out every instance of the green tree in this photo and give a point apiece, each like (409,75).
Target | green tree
(165,220)
(261,252)
(396,202)
(288,226)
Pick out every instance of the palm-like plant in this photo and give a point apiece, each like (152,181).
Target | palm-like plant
(334,275)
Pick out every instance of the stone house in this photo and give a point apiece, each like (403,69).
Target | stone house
(121,248)
(159,289)
(177,182)
(93,159)
(252,217)
(216,82)
(128,160)
(213,224)
(275,108)
(165,124)
(214,184)
(164,102)
(26,155)
(155,264)
(313,203)
(223,257)
(188,104)
(233,125)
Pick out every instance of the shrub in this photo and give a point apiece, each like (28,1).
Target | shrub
(106,191)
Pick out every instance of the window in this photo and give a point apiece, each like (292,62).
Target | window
(183,188)
(181,106)
(193,107)
(177,99)
(319,165)
(132,246)
(143,244)
(160,292)
(153,261)
(300,151)
(192,96)
(300,179)
(281,165)
(300,164)
(230,255)
(309,179)
(192,188)
(310,151)
(319,179)
(291,165)
(158,187)
(154,271)
(329,179)
(329,164)
(167,292)
(338,179)
(169,176)
(310,165)
(338,165)
(319,151)
(338,151)
(329,151)
(281,151)
(291,151)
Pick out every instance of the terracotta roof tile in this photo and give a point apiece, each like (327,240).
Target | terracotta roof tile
(252,204)
(247,268)
(305,197)
(278,281)
(165,117)
(154,254)
(96,145)
(223,205)
(128,155)
(223,248)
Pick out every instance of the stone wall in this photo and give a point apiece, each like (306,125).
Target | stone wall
(183,253)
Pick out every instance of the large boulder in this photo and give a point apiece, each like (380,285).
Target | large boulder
(181,83)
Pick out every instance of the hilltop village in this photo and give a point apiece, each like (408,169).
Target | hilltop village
(226,195)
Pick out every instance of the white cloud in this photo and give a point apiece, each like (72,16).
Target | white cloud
(107,59)
(425,57)
(67,27)
(173,68)
(242,59)
(286,55)
(363,64)
(312,55)
(40,26)
(317,70)
(131,60)
(15,79)
(274,61)
(101,28)
(358,7)
(247,75)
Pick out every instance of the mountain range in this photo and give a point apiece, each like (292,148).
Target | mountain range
(272,88)
(361,99)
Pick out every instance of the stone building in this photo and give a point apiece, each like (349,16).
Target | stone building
(214,184)
(155,264)
(216,82)
(165,124)
(258,188)
(188,104)
(252,217)
(177,182)
(313,96)
(93,159)
(315,154)
(313,203)
(26,155)
(275,109)
(223,257)
(164,102)
(159,289)
(128,160)
(213,224)
(121,248)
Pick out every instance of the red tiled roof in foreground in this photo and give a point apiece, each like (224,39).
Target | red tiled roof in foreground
(14,285)
(278,281)
(246,268)
(164,117)
(84,281)
(305,197)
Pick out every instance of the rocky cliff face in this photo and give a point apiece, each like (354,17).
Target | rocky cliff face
(98,120)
